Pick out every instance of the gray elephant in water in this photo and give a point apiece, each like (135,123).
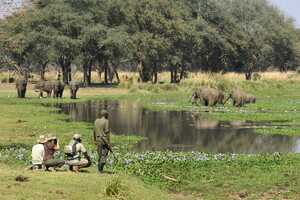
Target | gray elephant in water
(74,87)
(58,89)
(240,98)
(21,86)
(209,96)
(44,86)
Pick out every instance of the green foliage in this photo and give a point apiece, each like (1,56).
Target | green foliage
(229,35)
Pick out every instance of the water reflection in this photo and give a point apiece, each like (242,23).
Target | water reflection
(180,130)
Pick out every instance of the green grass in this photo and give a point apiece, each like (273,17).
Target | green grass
(221,176)
(252,177)
(67,185)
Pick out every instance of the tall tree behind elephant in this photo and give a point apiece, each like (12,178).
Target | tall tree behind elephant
(58,89)
(74,87)
(21,88)
(209,96)
(44,86)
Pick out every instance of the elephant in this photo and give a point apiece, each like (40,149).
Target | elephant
(250,99)
(209,96)
(58,89)
(240,98)
(44,86)
(21,87)
(74,87)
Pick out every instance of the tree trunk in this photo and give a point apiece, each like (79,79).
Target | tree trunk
(42,73)
(89,80)
(154,73)
(117,75)
(182,72)
(106,72)
(69,73)
(87,73)
(43,70)
(172,76)
(65,74)
(248,75)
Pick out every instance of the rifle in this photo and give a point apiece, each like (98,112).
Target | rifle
(109,148)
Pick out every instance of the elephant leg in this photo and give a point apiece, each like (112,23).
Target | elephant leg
(205,102)
(23,93)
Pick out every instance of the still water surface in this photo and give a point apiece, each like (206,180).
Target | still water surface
(181,130)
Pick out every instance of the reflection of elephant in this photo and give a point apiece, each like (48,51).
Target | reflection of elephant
(58,89)
(44,86)
(74,87)
(240,98)
(209,96)
(21,87)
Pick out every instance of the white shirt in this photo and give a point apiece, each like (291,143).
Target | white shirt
(37,154)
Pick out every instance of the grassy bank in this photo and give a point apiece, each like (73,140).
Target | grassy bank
(67,185)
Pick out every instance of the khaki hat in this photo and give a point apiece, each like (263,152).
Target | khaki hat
(103,112)
(50,137)
(76,136)
(42,139)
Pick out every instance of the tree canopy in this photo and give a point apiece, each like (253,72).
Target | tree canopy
(149,36)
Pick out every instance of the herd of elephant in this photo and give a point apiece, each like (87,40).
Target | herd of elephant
(51,88)
(211,97)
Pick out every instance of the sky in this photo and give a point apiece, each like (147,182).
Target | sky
(290,8)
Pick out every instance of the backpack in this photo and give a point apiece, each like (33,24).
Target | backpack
(70,150)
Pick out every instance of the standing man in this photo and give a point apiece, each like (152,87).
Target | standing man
(102,139)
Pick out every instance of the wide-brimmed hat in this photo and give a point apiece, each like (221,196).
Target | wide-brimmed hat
(42,139)
(103,112)
(50,137)
(76,136)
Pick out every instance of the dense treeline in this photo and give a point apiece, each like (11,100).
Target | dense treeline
(149,36)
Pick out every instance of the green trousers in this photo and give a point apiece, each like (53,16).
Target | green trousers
(56,163)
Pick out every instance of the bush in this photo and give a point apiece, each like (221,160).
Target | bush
(256,76)
(116,189)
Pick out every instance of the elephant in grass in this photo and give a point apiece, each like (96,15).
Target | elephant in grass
(58,89)
(209,96)
(21,86)
(250,99)
(240,98)
(74,87)
(44,86)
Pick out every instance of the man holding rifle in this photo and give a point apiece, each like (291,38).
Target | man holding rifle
(102,139)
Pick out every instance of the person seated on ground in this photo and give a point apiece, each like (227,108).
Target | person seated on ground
(37,154)
(77,156)
(51,146)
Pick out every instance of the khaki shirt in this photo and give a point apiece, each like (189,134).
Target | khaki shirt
(102,130)
(79,149)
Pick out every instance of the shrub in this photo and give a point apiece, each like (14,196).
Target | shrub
(116,189)
(256,76)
